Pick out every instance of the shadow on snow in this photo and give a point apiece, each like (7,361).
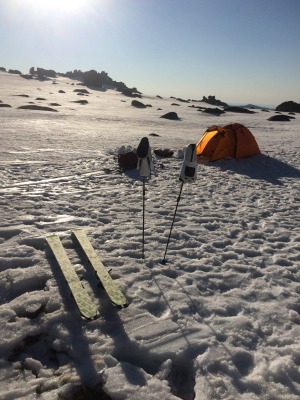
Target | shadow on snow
(260,167)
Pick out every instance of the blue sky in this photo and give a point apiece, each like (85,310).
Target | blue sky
(241,51)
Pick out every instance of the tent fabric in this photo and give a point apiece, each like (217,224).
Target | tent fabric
(233,140)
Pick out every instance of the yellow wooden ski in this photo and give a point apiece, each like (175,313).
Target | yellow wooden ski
(111,288)
(84,302)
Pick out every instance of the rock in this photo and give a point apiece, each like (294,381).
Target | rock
(171,115)
(213,101)
(279,118)
(38,108)
(26,76)
(4,105)
(131,93)
(238,110)
(165,153)
(182,100)
(82,102)
(289,106)
(14,71)
(138,104)
(214,111)
(81,91)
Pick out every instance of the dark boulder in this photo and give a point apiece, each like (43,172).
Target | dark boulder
(84,91)
(138,104)
(238,110)
(171,115)
(213,101)
(38,108)
(214,111)
(289,106)
(165,153)
(131,93)
(279,118)
(82,102)
(4,105)
(14,71)
(26,76)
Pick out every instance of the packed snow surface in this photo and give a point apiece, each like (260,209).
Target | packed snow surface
(220,320)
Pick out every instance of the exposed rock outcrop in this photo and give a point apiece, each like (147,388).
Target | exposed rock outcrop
(138,104)
(38,108)
(213,101)
(238,110)
(289,106)
(214,111)
(171,115)
(280,118)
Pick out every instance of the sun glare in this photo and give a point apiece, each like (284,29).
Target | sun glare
(59,6)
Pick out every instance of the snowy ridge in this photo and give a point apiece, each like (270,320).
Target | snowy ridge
(221,320)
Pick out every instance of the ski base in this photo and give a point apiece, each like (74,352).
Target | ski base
(112,290)
(85,304)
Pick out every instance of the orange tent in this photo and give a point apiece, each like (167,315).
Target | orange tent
(234,140)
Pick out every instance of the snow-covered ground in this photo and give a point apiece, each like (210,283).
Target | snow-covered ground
(219,321)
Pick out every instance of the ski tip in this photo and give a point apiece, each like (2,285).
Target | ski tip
(120,306)
(90,318)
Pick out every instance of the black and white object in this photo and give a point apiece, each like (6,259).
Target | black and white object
(188,171)
(145,163)
(145,167)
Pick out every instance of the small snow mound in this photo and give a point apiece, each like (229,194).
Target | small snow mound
(125,149)
(33,365)
(294,316)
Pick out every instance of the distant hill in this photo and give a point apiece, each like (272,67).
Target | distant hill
(89,78)
(253,107)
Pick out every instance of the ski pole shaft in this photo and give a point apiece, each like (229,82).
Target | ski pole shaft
(178,199)
(143,238)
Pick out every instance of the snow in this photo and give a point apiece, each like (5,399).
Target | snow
(219,321)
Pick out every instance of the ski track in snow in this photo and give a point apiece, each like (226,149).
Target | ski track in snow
(221,320)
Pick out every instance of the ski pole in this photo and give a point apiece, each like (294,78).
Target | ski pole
(188,173)
(144,167)
(143,240)
(178,199)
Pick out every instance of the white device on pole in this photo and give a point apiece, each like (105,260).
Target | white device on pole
(188,171)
